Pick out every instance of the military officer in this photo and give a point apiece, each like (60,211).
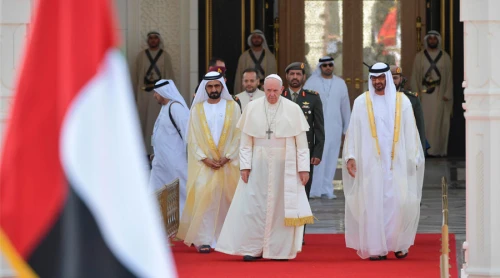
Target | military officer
(311,105)
(399,81)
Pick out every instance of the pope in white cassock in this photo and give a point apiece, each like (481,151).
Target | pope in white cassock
(383,171)
(213,163)
(337,112)
(169,139)
(270,207)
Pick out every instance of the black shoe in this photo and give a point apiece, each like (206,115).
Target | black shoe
(378,258)
(400,254)
(251,258)
(205,249)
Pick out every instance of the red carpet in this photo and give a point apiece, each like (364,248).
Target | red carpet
(322,256)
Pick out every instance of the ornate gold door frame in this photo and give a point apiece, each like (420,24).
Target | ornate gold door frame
(208,31)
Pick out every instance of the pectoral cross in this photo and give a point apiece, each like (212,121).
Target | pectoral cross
(269,132)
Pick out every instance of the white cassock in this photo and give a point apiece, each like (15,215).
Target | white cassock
(337,112)
(170,160)
(267,214)
(245,97)
(383,200)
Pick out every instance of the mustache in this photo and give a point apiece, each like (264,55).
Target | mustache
(214,95)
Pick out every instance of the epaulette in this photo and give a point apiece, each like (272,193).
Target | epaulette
(311,92)
(410,93)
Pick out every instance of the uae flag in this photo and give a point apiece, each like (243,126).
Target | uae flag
(388,32)
(73,186)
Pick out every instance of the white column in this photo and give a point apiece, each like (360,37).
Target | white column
(482,104)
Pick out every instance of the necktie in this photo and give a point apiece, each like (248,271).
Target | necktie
(294,97)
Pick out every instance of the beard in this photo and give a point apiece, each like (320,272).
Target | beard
(294,83)
(257,43)
(327,72)
(379,87)
(251,90)
(433,45)
(214,95)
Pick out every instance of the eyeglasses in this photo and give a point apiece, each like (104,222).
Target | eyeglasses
(327,65)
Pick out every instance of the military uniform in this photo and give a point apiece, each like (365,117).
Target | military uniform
(310,103)
(415,104)
(419,116)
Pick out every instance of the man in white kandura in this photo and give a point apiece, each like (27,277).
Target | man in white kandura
(337,111)
(213,164)
(383,171)
(151,65)
(169,139)
(270,207)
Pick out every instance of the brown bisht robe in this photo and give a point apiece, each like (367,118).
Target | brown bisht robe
(437,112)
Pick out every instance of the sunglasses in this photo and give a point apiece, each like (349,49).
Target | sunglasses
(327,65)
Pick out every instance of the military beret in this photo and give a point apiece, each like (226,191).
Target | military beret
(296,66)
(396,70)
(219,69)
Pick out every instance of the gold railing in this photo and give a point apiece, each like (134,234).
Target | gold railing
(445,248)
(168,199)
(208,31)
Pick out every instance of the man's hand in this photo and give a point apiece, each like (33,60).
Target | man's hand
(245,173)
(445,99)
(315,161)
(351,167)
(223,161)
(304,177)
(211,163)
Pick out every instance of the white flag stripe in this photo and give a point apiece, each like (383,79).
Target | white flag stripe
(101,152)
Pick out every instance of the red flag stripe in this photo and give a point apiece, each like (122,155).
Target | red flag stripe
(33,186)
